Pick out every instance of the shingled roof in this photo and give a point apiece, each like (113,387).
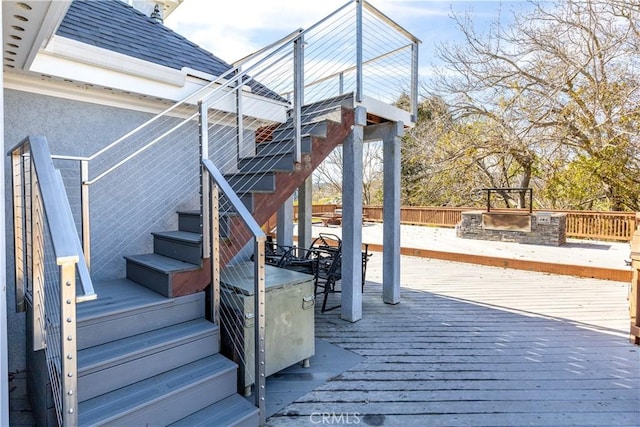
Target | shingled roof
(116,26)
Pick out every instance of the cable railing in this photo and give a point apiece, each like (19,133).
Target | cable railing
(244,125)
(48,258)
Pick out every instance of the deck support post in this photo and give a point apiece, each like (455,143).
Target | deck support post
(285,223)
(352,219)
(391,216)
(305,193)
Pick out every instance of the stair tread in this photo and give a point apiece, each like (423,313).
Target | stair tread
(116,296)
(162,263)
(103,408)
(109,353)
(184,236)
(230,411)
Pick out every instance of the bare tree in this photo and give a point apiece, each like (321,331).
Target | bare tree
(328,175)
(557,97)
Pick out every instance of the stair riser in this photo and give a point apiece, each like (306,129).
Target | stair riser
(175,406)
(138,367)
(287,133)
(152,279)
(282,162)
(280,147)
(133,322)
(252,183)
(189,222)
(184,251)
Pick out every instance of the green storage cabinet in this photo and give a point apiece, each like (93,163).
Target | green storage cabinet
(289,319)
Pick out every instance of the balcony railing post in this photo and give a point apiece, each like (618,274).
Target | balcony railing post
(203,124)
(414,82)
(19,236)
(214,225)
(259,330)
(84,206)
(359,56)
(68,341)
(239,115)
(37,268)
(298,94)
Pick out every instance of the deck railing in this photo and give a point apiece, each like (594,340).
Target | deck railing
(48,258)
(617,226)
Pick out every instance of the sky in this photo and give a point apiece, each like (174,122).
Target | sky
(234,29)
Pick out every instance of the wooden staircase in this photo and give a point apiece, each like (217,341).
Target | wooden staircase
(146,353)
(265,181)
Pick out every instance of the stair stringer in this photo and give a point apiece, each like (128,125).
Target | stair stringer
(266,204)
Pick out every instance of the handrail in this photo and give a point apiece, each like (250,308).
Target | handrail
(64,236)
(350,69)
(218,80)
(389,21)
(221,184)
(235,201)
(44,225)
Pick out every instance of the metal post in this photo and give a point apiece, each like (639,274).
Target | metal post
(4,363)
(259,310)
(203,124)
(298,95)
(19,236)
(414,82)
(359,39)
(341,83)
(239,116)
(488,200)
(37,268)
(84,203)
(530,200)
(68,341)
(215,254)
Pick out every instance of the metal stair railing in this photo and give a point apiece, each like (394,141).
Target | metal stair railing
(356,49)
(48,256)
(220,186)
(355,52)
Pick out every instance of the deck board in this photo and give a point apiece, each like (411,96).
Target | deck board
(475,345)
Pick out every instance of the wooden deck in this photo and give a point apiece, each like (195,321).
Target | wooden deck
(473,345)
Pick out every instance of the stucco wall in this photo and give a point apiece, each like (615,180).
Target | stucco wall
(126,206)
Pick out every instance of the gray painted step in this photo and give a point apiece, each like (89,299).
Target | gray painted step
(286,131)
(284,146)
(234,411)
(156,271)
(345,100)
(181,245)
(117,364)
(267,163)
(165,398)
(125,308)
(190,221)
(249,182)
